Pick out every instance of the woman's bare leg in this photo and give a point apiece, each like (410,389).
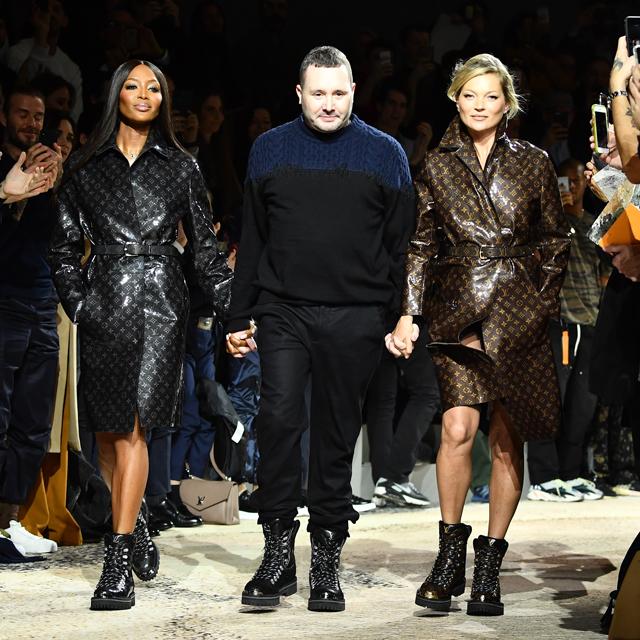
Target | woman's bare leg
(507,469)
(128,474)
(453,465)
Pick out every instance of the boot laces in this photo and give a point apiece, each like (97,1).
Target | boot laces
(451,555)
(115,567)
(142,540)
(486,571)
(325,562)
(276,555)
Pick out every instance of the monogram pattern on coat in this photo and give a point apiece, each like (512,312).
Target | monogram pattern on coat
(514,201)
(132,310)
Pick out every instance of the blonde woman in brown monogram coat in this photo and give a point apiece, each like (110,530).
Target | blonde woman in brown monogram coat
(484,268)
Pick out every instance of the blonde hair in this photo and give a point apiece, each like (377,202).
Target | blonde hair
(479,65)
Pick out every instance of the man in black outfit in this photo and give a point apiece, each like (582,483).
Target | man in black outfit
(328,211)
(28,302)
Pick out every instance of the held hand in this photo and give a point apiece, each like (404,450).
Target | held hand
(240,343)
(626,259)
(399,343)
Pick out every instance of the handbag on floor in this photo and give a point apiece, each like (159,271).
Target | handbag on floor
(215,501)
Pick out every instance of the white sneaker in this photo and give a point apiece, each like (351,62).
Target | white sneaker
(30,543)
(554,491)
(587,488)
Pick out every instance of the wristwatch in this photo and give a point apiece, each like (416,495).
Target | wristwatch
(615,94)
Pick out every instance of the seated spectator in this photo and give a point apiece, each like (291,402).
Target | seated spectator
(32,56)
(556,466)
(58,93)
(391,105)
(60,125)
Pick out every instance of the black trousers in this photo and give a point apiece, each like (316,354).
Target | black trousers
(393,453)
(28,373)
(563,457)
(339,349)
(159,478)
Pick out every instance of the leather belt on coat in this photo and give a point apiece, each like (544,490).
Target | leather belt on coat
(131,249)
(487,252)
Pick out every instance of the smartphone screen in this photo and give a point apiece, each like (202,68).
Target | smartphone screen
(632,31)
(600,127)
(563,184)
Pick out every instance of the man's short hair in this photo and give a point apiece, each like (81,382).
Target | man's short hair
(324,56)
(21,90)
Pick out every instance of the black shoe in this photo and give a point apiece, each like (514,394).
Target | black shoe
(115,587)
(180,515)
(159,518)
(276,575)
(146,557)
(447,575)
(324,582)
(144,511)
(485,589)
(247,502)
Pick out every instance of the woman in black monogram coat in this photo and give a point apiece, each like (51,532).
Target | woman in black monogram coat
(126,192)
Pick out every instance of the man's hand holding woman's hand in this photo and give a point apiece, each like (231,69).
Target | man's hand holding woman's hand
(239,343)
(400,341)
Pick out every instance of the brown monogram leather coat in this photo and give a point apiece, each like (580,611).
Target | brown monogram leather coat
(513,202)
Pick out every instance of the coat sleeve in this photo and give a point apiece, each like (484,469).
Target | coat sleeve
(399,222)
(66,250)
(555,240)
(422,246)
(210,264)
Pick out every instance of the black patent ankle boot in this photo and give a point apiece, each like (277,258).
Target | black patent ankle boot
(115,587)
(146,557)
(325,592)
(447,574)
(485,589)
(276,575)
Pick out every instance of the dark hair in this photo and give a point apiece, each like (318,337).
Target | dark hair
(21,90)
(49,83)
(324,56)
(110,119)
(385,88)
(53,118)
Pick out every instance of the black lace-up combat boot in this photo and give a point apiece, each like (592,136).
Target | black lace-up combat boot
(115,587)
(146,557)
(326,594)
(276,575)
(485,589)
(447,575)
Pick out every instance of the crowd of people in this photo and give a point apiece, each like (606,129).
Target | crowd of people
(124,157)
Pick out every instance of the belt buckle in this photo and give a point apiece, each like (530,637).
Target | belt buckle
(481,254)
(130,249)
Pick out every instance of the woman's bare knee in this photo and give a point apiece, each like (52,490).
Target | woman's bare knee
(459,426)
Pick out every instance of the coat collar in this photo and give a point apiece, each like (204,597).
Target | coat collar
(155,141)
(458,141)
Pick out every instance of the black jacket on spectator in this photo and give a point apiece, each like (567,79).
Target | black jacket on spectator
(615,355)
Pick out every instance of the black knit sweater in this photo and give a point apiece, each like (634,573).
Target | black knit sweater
(326,221)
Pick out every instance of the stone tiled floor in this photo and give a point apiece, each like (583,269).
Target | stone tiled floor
(558,572)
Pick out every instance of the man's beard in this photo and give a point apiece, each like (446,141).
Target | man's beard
(14,139)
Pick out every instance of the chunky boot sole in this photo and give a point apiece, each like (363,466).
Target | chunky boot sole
(270,601)
(112,604)
(440,605)
(325,605)
(485,608)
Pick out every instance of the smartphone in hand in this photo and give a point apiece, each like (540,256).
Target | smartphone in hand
(600,126)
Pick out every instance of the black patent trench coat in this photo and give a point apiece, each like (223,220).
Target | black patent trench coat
(132,310)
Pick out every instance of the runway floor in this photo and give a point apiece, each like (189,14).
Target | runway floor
(560,567)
